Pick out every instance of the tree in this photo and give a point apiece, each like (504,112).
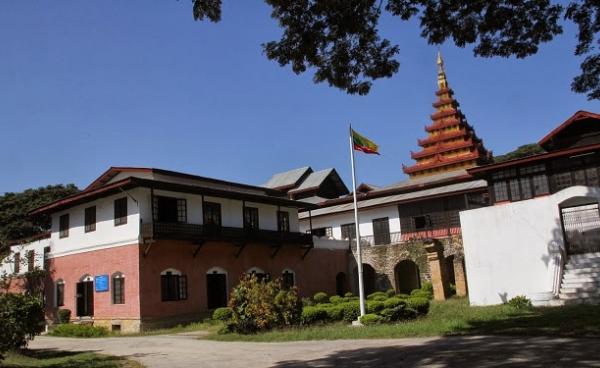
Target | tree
(522,151)
(14,208)
(339,39)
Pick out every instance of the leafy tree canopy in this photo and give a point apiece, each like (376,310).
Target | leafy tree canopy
(14,221)
(340,41)
(522,151)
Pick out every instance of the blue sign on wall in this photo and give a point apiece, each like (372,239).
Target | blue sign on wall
(101,283)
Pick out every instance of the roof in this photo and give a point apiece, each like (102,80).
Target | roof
(478,171)
(579,115)
(314,180)
(288,179)
(400,198)
(198,184)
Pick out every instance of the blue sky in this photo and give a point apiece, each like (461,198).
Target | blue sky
(90,84)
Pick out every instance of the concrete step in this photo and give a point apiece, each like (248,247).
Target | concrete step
(583,259)
(587,272)
(585,255)
(583,266)
(561,302)
(579,295)
(583,282)
(579,288)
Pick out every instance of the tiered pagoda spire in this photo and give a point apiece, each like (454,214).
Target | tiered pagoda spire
(451,143)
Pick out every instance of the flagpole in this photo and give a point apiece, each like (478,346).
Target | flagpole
(361,289)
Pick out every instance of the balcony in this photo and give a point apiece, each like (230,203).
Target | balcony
(202,233)
(369,240)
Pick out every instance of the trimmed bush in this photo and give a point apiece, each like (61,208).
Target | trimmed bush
(222,314)
(370,319)
(376,295)
(393,302)
(403,296)
(336,299)
(420,293)
(373,306)
(335,312)
(262,305)
(427,286)
(64,315)
(21,318)
(73,330)
(421,305)
(348,295)
(390,292)
(307,301)
(351,311)
(520,302)
(312,315)
(321,297)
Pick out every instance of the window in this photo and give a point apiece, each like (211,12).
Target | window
(592,176)
(90,219)
(30,260)
(250,218)
(17,261)
(514,189)
(540,185)
(579,176)
(118,288)
(212,213)
(525,188)
(63,226)
(173,286)
(422,222)
(170,210)
(46,258)
(323,231)
(563,180)
(381,231)
(288,279)
(348,231)
(500,191)
(283,221)
(60,293)
(121,211)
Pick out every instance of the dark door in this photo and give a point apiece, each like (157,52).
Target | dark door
(216,290)
(85,299)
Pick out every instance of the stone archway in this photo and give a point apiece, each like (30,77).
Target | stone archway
(369,278)
(407,276)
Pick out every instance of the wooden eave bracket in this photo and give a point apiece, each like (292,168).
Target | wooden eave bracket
(242,246)
(277,249)
(199,245)
(148,246)
(306,252)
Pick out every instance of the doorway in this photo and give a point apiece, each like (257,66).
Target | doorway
(85,297)
(216,288)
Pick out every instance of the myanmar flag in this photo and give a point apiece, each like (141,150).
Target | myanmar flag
(363,144)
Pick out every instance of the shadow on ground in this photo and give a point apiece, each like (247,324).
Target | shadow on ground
(53,358)
(488,351)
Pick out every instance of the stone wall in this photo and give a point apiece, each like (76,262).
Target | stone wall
(384,258)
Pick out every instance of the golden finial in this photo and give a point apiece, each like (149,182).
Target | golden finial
(442,81)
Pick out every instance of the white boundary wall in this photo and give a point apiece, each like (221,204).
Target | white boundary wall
(511,249)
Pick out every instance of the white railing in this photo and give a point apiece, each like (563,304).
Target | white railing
(559,261)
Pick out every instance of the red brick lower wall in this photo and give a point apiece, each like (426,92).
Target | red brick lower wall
(70,269)
(316,272)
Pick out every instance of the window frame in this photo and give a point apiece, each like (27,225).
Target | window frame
(59,292)
(349,229)
(251,218)
(283,221)
(30,260)
(90,219)
(212,206)
(176,286)
(120,211)
(63,226)
(118,279)
(384,237)
(17,262)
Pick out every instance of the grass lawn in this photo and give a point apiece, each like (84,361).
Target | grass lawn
(63,359)
(452,317)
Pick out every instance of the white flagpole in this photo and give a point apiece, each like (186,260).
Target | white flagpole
(361,289)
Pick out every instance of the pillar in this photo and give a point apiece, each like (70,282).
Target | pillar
(435,257)
(460,277)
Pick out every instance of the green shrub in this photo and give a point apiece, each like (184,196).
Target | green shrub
(421,305)
(262,305)
(312,315)
(420,293)
(373,306)
(376,295)
(348,295)
(427,286)
(520,302)
(370,319)
(307,301)
(335,312)
(351,311)
(222,314)
(390,293)
(321,297)
(73,330)
(64,315)
(21,318)
(336,299)
(393,302)
(398,313)
(403,296)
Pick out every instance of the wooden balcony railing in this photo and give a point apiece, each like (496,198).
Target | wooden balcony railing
(195,232)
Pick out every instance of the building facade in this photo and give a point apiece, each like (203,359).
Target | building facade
(147,247)
(541,237)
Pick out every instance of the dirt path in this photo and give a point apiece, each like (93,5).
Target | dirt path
(171,351)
